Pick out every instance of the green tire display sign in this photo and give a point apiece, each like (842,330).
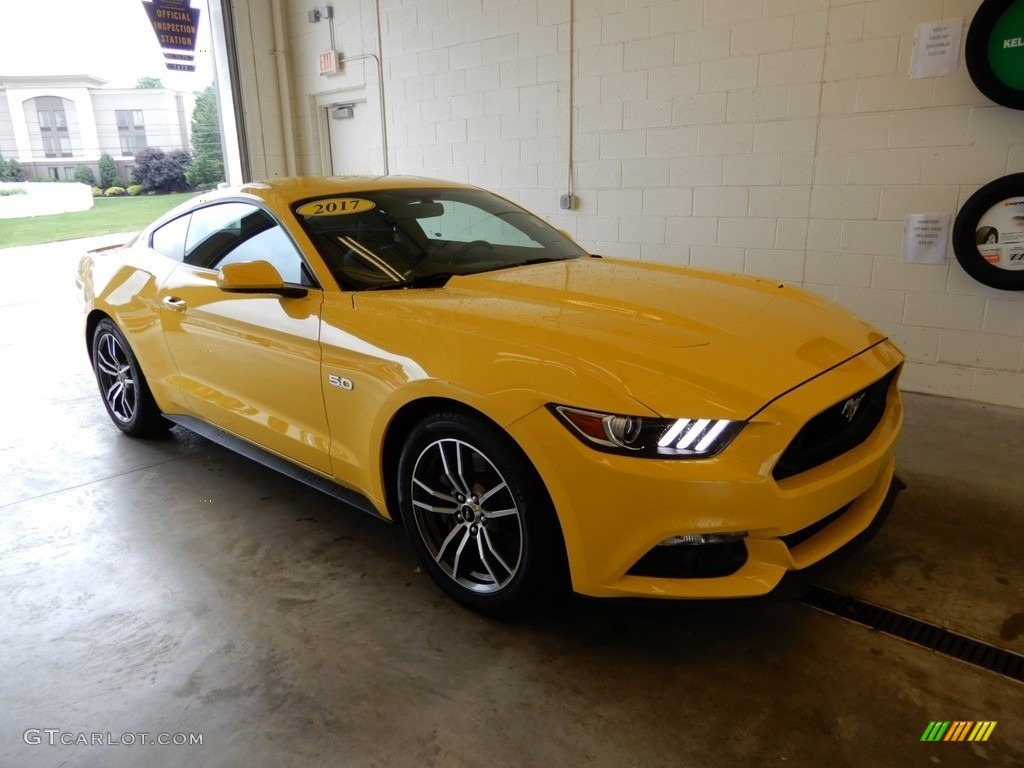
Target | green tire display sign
(995,51)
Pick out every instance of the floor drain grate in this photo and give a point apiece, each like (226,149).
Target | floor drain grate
(919,632)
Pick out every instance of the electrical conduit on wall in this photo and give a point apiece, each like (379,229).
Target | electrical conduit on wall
(284,87)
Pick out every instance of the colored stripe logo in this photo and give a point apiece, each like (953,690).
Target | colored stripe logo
(958,730)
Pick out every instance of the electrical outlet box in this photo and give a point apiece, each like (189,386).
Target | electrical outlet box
(567,202)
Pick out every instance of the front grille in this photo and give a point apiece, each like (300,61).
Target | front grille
(831,433)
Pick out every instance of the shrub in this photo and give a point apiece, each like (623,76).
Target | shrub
(114,192)
(160,171)
(84,175)
(11,170)
(15,191)
(135,189)
(96,191)
(108,171)
(119,182)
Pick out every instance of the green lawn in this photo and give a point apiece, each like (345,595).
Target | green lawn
(107,215)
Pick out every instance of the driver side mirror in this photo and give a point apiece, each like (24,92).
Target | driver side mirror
(255,277)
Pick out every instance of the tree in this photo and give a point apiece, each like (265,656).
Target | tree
(84,175)
(162,172)
(208,167)
(108,170)
(11,170)
(149,82)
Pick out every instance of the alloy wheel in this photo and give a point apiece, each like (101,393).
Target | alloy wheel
(466,515)
(117,381)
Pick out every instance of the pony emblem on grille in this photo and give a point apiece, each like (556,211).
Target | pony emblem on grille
(851,406)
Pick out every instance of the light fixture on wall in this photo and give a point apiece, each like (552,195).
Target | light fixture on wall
(323,12)
(342,111)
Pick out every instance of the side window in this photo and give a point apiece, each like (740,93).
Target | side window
(169,240)
(270,245)
(217,229)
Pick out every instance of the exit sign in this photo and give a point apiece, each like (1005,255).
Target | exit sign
(328,63)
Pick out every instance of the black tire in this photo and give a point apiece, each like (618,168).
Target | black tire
(976,54)
(965,228)
(123,388)
(456,474)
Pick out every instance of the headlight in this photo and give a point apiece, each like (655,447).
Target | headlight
(644,436)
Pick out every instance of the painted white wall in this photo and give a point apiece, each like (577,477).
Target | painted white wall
(776,137)
(43,199)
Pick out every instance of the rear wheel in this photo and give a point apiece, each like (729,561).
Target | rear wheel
(126,394)
(478,515)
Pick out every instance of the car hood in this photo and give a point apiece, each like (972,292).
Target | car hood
(668,337)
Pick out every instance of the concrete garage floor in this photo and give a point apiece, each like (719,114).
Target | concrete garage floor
(172,587)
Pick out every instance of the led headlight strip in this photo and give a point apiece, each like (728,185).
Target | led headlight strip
(651,437)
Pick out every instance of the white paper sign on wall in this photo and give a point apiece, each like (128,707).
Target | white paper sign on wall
(925,238)
(936,48)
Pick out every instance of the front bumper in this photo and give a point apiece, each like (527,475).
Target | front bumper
(614,509)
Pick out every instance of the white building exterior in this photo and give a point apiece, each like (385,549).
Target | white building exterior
(52,124)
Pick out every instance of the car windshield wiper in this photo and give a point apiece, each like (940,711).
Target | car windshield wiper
(538,260)
(440,279)
(433,280)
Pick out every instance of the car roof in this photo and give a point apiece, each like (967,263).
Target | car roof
(280,193)
(289,189)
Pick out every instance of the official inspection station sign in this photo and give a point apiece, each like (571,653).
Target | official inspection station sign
(176,25)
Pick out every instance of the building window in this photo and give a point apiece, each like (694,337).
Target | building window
(52,119)
(53,125)
(132,143)
(59,146)
(69,172)
(127,119)
(132,130)
(53,173)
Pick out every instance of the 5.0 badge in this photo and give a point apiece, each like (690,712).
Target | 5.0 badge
(340,381)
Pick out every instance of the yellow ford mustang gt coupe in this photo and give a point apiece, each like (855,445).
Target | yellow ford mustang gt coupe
(535,416)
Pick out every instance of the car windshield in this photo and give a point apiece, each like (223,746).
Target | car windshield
(402,238)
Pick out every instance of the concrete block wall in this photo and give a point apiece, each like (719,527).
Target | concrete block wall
(777,137)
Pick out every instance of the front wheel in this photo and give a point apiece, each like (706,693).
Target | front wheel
(478,515)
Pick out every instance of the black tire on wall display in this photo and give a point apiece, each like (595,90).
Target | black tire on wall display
(988,234)
(995,51)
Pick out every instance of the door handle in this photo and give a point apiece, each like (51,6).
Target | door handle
(173,302)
